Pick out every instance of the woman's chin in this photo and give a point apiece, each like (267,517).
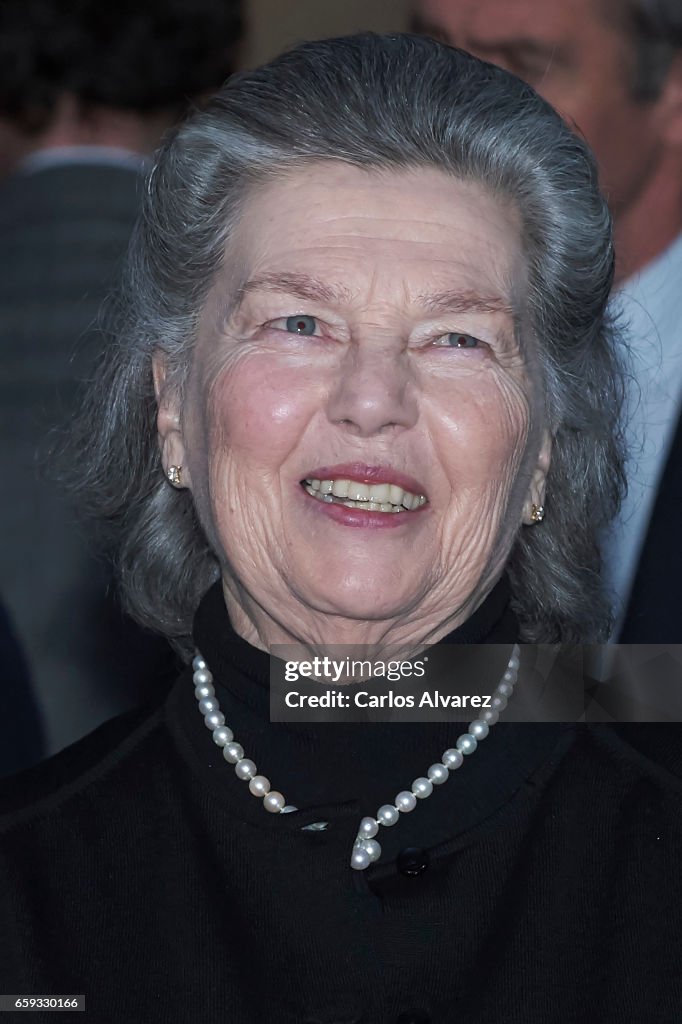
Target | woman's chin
(370,603)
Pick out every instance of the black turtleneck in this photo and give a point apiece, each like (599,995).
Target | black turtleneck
(332,762)
(539,885)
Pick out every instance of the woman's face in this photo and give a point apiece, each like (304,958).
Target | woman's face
(359,354)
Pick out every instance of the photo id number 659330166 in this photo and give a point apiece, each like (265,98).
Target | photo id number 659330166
(42,1002)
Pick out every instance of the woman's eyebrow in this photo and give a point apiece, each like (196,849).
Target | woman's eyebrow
(301,286)
(309,288)
(457,301)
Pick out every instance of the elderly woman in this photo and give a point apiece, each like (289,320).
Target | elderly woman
(363,348)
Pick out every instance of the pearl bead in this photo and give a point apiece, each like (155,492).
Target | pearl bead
(466,743)
(259,785)
(368,828)
(203,677)
(514,663)
(478,729)
(205,690)
(422,788)
(214,719)
(233,752)
(405,802)
(273,801)
(360,859)
(372,847)
(509,677)
(387,815)
(198,663)
(499,702)
(207,705)
(505,688)
(222,735)
(452,759)
(438,774)
(490,716)
(245,769)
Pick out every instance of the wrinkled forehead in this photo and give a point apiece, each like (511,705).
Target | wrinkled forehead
(376,239)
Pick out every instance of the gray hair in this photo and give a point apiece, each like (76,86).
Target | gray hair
(388,102)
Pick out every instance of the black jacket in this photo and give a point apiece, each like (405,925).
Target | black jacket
(64,230)
(540,885)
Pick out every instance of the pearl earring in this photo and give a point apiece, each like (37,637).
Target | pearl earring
(537,513)
(175,475)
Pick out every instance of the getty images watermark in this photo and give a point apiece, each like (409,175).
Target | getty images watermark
(456,683)
(330,670)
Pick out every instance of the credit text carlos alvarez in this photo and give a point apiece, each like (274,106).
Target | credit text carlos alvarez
(364,699)
(327,670)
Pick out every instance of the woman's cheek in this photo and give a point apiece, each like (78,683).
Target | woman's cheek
(480,424)
(261,410)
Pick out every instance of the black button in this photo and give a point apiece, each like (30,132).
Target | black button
(414,1017)
(412,861)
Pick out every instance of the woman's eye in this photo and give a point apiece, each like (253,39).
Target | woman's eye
(457,340)
(301,325)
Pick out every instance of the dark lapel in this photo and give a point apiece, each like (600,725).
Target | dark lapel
(654,612)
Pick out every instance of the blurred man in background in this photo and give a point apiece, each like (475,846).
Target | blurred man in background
(614,69)
(87,90)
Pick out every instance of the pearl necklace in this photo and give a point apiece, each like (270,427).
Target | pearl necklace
(366,848)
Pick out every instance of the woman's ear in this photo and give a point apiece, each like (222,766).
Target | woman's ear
(533,509)
(169,423)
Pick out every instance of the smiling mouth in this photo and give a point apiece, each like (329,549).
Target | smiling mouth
(371,497)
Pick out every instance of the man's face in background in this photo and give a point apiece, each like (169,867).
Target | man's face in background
(576,55)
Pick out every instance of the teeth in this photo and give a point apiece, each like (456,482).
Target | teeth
(358,492)
(380,492)
(372,497)
(395,494)
(340,488)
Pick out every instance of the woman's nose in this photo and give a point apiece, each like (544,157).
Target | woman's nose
(374,391)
